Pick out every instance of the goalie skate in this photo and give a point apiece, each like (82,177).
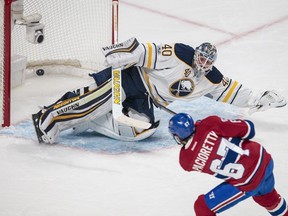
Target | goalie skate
(35,118)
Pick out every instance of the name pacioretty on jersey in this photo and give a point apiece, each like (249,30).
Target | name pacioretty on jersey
(205,151)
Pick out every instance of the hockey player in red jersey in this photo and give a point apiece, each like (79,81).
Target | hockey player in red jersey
(224,149)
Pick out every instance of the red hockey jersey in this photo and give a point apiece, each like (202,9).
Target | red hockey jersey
(222,148)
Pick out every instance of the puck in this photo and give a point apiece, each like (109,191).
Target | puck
(40,72)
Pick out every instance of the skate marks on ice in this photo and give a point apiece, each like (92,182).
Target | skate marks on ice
(94,142)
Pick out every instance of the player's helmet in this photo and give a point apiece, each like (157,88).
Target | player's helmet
(204,57)
(181,126)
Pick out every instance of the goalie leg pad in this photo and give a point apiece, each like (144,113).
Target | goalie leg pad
(107,126)
(74,111)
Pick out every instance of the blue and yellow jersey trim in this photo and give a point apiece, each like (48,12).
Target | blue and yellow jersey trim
(150,55)
(230,93)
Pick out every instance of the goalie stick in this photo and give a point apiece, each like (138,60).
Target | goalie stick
(163,107)
(117,103)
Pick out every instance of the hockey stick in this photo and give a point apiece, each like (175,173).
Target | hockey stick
(116,84)
(163,107)
(117,103)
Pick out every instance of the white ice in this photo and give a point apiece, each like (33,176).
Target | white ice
(91,175)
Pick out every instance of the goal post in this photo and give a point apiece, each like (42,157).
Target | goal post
(5,66)
(51,34)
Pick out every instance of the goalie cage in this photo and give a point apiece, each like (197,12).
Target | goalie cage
(65,33)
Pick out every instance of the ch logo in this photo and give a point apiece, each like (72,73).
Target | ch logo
(211,195)
(182,87)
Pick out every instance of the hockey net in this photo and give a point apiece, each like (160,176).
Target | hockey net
(52,34)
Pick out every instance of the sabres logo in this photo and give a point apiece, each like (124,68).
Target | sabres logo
(182,87)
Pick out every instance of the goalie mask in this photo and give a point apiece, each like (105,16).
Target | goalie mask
(181,127)
(204,58)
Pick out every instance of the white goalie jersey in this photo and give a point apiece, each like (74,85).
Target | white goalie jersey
(166,71)
(169,74)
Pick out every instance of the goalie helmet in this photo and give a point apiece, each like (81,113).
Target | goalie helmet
(181,126)
(204,57)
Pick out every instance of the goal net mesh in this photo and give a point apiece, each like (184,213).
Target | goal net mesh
(74,32)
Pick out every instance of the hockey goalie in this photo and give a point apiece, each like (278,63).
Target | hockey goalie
(152,76)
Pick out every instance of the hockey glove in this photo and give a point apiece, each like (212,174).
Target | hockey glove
(266,100)
(123,55)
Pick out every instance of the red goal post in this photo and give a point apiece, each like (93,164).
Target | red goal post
(37,34)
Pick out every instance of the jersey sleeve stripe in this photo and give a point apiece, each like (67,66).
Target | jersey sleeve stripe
(236,94)
(150,55)
(251,130)
(144,58)
(228,95)
(232,199)
(280,209)
(230,81)
(155,60)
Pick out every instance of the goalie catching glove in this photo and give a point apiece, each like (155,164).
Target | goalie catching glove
(266,100)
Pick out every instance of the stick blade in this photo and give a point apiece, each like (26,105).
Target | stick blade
(132,122)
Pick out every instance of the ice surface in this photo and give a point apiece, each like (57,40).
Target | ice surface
(94,175)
